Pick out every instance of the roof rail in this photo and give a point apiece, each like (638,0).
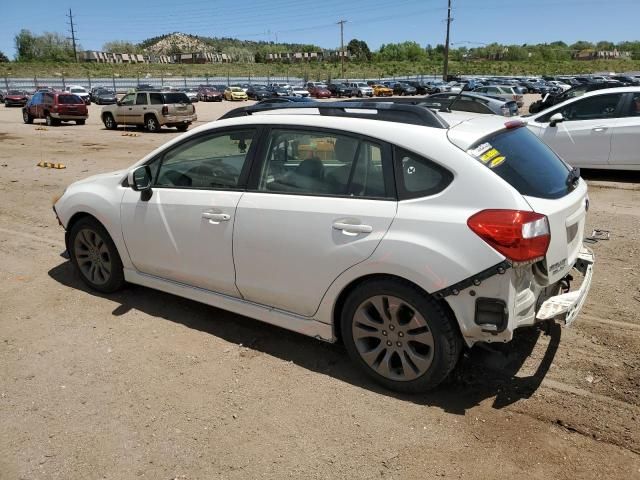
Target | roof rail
(385,111)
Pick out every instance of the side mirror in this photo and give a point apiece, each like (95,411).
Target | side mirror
(140,178)
(555,119)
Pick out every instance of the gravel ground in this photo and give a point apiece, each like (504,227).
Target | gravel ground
(141,384)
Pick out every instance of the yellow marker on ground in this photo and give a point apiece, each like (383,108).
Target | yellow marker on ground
(58,166)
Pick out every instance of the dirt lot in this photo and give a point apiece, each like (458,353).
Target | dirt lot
(146,385)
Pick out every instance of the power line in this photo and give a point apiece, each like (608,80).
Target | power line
(73,35)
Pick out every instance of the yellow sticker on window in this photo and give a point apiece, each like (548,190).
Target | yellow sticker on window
(489,155)
(496,161)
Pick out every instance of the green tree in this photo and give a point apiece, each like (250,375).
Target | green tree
(3,58)
(359,49)
(120,46)
(46,47)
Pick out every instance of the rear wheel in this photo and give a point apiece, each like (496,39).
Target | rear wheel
(182,128)
(80,122)
(95,256)
(400,336)
(151,124)
(109,121)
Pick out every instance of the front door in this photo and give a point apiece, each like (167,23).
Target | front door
(139,109)
(319,202)
(184,231)
(124,110)
(583,139)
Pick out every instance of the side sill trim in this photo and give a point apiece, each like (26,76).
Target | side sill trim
(304,325)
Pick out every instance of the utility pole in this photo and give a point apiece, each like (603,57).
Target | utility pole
(341,23)
(73,35)
(445,72)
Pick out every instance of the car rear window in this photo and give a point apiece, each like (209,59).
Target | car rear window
(525,162)
(175,98)
(69,99)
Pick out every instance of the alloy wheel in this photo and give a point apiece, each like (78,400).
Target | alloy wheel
(92,256)
(393,338)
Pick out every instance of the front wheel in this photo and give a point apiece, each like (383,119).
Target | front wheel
(400,336)
(182,128)
(80,122)
(109,122)
(95,256)
(26,117)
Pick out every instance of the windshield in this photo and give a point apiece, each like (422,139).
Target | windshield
(15,92)
(525,162)
(77,90)
(236,89)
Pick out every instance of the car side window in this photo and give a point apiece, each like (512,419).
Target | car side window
(592,108)
(322,163)
(156,99)
(417,176)
(141,99)
(128,99)
(634,108)
(208,161)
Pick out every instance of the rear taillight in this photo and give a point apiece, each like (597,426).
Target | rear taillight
(194,108)
(165,110)
(522,237)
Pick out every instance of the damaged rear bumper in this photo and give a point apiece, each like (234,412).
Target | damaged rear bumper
(565,307)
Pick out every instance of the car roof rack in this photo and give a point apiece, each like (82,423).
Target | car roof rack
(385,111)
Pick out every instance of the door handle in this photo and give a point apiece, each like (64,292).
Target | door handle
(216,217)
(352,229)
(144,108)
(130,108)
(599,129)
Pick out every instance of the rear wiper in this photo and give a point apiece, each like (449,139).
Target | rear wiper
(572,178)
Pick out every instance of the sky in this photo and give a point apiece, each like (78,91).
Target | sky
(475,22)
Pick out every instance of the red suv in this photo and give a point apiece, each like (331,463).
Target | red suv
(55,107)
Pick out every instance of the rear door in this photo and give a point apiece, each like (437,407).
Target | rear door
(318,203)
(625,139)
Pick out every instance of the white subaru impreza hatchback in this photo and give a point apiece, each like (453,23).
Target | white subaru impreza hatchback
(384,226)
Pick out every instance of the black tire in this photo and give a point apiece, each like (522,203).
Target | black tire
(535,107)
(182,128)
(359,94)
(109,121)
(50,121)
(26,117)
(151,124)
(80,122)
(88,231)
(446,340)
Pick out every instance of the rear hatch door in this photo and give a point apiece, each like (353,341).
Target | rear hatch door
(548,185)
(178,104)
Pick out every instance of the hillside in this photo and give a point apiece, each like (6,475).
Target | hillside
(184,43)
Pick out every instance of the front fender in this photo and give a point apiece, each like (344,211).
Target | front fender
(100,201)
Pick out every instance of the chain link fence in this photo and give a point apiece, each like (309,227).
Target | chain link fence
(122,84)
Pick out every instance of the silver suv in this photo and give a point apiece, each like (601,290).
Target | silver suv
(151,110)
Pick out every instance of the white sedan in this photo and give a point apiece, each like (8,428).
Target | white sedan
(299,91)
(600,129)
